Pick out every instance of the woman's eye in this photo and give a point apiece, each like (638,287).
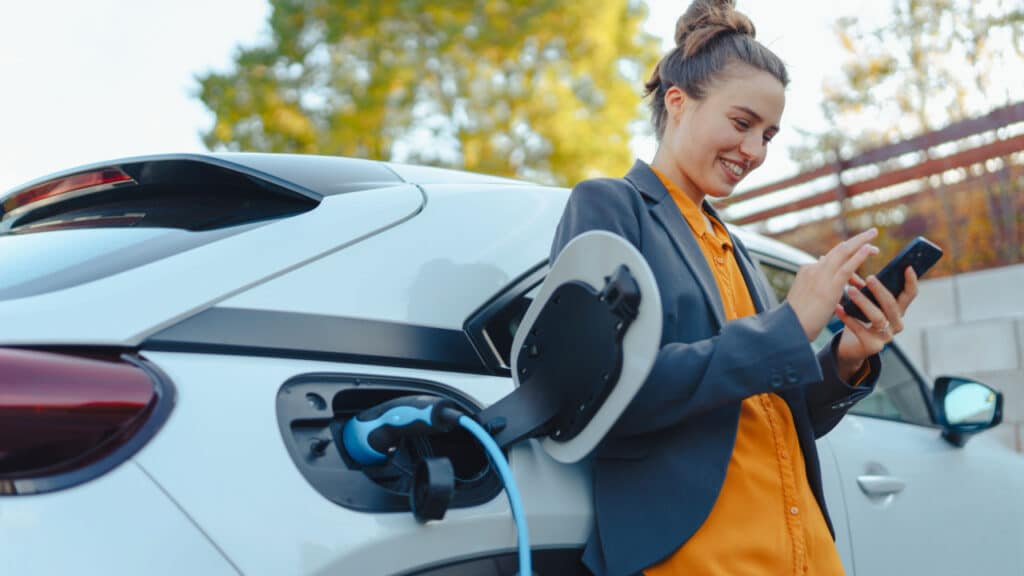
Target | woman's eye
(767,138)
(741,124)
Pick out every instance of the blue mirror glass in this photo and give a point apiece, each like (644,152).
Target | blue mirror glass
(969,403)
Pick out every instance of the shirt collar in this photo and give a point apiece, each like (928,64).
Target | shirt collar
(693,215)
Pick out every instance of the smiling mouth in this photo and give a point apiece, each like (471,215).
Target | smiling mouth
(733,168)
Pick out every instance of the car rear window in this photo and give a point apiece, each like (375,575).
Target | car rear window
(79,227)
(43,262)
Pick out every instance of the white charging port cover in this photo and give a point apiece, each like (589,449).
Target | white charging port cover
(591,258)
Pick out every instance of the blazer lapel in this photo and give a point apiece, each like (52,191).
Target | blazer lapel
(667,214)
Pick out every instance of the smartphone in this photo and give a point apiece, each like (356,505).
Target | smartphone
(920,254)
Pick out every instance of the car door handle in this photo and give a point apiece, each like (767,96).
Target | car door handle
(875,485)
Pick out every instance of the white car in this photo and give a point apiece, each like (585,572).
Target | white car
(182,338)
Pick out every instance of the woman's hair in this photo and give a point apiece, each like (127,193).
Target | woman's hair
(710,35)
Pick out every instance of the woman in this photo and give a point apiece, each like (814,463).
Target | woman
(712,469)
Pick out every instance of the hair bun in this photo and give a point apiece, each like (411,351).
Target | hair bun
(706,20)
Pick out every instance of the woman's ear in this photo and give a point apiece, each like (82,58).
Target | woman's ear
(675,102)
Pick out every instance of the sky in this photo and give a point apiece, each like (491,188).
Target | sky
(92,81)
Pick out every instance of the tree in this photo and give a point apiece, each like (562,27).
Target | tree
(932,63)
(546,90)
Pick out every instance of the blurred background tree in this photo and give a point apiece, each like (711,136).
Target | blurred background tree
(543,89)
(933,62)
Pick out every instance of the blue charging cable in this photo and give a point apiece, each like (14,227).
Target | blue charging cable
(374,434)
(518,515)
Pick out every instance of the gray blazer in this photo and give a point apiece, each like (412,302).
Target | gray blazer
(660,468)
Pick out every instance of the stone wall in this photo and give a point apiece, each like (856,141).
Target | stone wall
(973,325)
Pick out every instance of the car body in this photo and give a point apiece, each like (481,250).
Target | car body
(268,298)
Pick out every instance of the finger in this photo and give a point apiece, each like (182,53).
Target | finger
(871,311)
(846,249)
(869,340)
(849,267)
(909,289)
(857,281)
(887,302)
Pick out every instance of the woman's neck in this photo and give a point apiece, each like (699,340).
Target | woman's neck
(664,163)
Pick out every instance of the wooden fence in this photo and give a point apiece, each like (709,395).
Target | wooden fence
(961,186)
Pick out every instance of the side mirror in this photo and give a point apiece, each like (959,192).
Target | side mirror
(964,407)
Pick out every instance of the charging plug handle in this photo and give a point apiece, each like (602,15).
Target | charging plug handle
(432,489)
(372,435)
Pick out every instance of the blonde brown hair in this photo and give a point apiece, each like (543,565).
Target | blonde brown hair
(710,36)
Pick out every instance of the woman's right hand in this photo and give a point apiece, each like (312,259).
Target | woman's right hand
(819,286)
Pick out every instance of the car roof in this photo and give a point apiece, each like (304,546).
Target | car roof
(336,174)
(770,247)
(313,175)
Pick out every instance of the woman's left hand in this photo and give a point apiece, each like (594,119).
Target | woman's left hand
(861,340)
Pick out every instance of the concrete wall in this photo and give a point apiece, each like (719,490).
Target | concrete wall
(973,325)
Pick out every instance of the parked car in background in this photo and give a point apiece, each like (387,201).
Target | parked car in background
(182,337)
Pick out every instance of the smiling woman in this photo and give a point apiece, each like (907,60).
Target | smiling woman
(727,91)
(713,468)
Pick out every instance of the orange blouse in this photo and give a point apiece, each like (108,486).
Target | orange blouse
(766,519)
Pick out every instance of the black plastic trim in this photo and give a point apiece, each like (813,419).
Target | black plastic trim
(476,324)
(165,399)
(241,331)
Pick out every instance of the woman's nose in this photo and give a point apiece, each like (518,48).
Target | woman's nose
(753,149)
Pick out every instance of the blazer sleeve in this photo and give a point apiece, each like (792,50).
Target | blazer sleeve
(767,352)
(829,401)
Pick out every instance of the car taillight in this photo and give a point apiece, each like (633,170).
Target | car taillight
(86,181)
(66,418)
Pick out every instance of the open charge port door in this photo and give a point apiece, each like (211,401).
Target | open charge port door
(312,411)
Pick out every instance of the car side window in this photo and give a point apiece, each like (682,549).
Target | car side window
(898,395)
(492,327)
(780,278)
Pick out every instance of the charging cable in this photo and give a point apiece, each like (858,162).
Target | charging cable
(373,435)
(518,515)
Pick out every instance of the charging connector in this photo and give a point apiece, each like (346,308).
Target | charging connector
(372,436)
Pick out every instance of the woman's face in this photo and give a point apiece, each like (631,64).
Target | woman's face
(718,141)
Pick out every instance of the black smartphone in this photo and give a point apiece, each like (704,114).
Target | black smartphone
(920,254)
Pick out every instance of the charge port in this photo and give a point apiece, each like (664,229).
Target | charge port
(312,434)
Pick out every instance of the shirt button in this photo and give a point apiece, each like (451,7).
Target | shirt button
(794,510)
(719,260)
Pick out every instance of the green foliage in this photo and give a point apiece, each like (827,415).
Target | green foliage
(540,89)
(932,63)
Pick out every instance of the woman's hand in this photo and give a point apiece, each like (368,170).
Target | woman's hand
(863,339)
(817,288)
